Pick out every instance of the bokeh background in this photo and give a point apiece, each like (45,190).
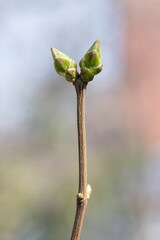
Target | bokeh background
(38,135)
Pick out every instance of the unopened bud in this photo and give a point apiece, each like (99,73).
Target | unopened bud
(89,191)
(91,64)
(64,65)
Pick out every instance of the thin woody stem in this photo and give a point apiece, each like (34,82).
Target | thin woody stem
(81,202)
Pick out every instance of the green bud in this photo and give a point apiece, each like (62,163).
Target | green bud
(64,65)
(91,64)
(86,74)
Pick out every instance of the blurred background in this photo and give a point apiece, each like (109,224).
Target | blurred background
(38,134)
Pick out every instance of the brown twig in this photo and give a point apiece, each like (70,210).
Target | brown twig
(82,191)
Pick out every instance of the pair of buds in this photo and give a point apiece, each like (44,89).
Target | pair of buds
(90,65)
(80,196)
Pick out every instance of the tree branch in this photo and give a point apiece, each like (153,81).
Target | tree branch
(82,191)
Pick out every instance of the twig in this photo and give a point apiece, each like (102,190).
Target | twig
(91,64)
(82,191)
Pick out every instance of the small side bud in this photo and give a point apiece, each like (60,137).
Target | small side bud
(91,63)
(80,196)
(64,65)
(89,191)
